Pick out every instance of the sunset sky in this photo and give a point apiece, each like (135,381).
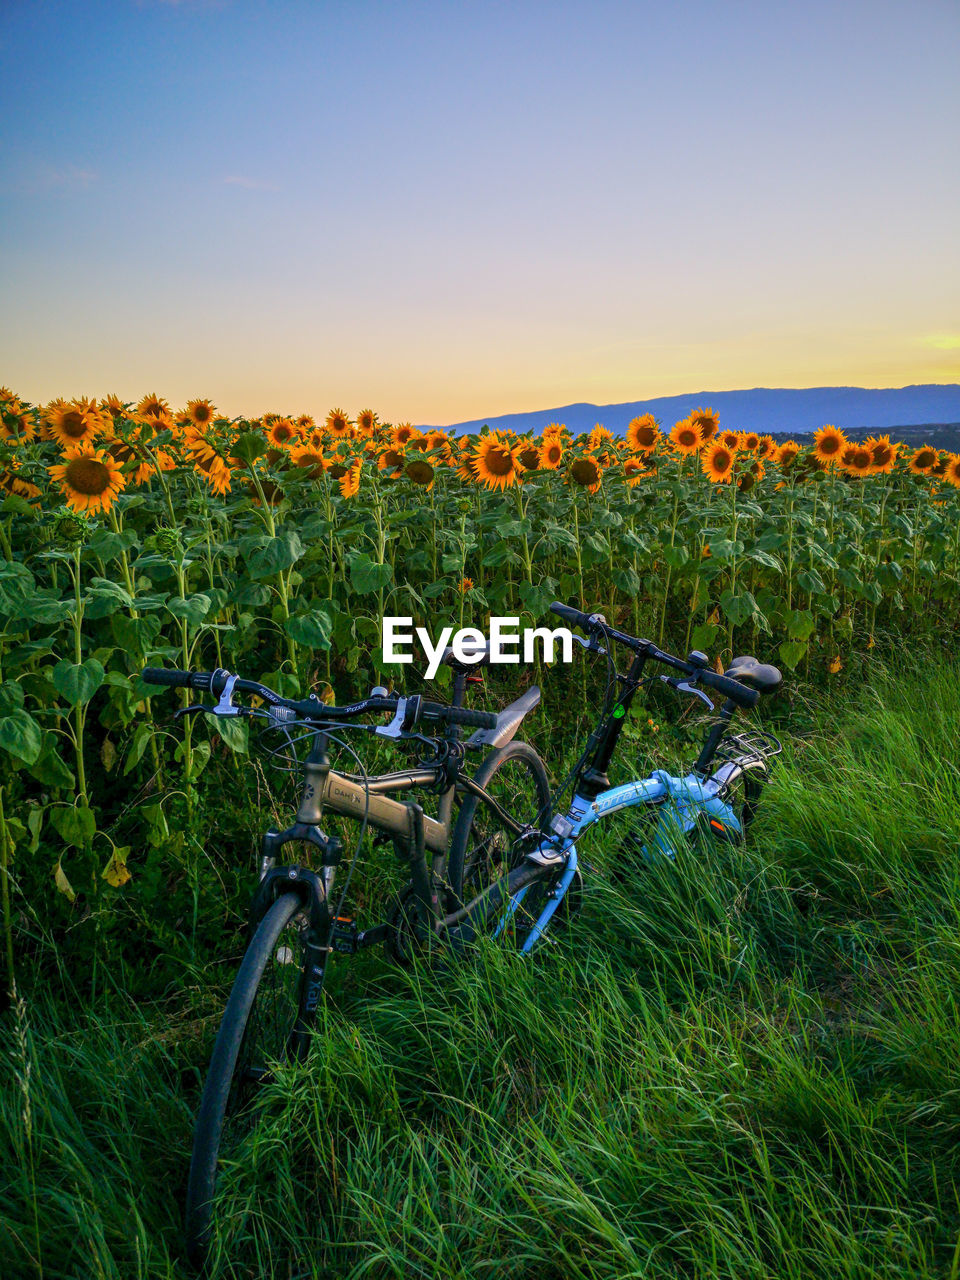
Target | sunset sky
(446,210)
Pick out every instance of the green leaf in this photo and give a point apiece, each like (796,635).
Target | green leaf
(536,596)
(366,575)
(233,731)
(115,872)
(135,635)
(704,636)
(249,447)
(50,769)
(77,682)
(75,825)
(11,697)
(628,581)
(791,652)
(766,559)
(275,555)
(21,736)
(312,629)
(811,582)
(738,606)
(137,747)
(800,624)
(63,884)
(676,556)
(194,609)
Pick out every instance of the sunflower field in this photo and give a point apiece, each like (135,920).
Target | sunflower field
(134,534)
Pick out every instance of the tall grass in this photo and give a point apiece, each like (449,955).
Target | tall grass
(744,1064)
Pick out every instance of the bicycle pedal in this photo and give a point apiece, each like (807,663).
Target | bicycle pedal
(343,935)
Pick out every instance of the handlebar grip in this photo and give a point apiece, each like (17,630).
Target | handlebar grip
(177,679)
(576,617)
(730,688)
(461,715)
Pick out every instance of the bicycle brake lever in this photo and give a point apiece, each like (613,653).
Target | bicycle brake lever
(186,711)
(590,645)
(682,686)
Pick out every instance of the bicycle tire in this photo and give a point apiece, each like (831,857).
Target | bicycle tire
(743,796)
(482,850)
(235,1044)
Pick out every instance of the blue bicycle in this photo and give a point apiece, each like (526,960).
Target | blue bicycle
(520,886)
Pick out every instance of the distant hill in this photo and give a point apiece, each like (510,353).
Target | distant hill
(781,411)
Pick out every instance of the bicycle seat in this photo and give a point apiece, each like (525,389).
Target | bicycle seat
(508,721)
(481,657)
(754,674)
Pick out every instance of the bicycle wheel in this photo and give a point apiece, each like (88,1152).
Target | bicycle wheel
(259,1026)
(483,850)
(743,796)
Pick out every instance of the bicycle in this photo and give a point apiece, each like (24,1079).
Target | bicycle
(719,796)
(293,927)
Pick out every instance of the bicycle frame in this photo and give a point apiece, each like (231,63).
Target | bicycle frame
(681,802)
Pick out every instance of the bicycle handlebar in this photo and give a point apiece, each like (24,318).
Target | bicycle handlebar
(595,622)
(214,682)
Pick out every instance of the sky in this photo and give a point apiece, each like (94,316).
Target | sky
(449,210)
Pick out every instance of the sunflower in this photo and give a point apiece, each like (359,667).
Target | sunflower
(924,460)
(421,473)
(599,436)
(857,460)
(89,478)
(440,441)
(767,449)
(155,411)
(706,421)
(828,444)
(587,472)
(350,480)
(952,472)
(730,438)
(466,584)
(754,472)
(884,453)
(529,457)
(200,412)
(390,462)
(786,453)
(11,482)
(551,452)
(466,466)
(305,424)
(401,433)
(283,433)
(717,462)
(17,425)
(834,665)
(750,441)
(685,437)
(165,461)
(113,405)
(217,474)
(643,433)
(338,424)
(75,422)
(310,460)
(367,421)
(495,462)
(634,471)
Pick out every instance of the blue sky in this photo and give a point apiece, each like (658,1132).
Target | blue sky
(450,210)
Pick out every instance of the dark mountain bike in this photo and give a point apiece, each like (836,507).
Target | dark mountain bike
(294,926)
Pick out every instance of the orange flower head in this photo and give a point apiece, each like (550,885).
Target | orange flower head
(717,461)
(90,479)
(587,472)
(685,437)
(706,421)
(496,462)
(828,444)
(923,461)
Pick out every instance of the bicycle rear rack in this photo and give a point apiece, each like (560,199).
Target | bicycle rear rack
(736,747)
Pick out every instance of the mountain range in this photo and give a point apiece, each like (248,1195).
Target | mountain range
(782,411)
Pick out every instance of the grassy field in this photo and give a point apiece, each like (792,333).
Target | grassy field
(745,1065)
